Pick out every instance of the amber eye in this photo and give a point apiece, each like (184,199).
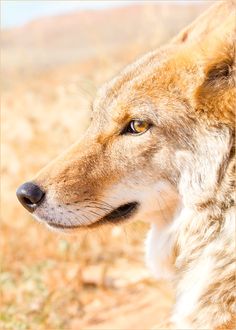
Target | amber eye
(136,126)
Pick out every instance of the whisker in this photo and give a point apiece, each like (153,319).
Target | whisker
(99,207)
(95,213)
(103,203)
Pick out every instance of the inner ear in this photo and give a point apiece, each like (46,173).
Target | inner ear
(222,72)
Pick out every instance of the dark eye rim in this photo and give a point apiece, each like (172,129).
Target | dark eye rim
(128,129)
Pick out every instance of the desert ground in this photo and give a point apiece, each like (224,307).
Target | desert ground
(51,69)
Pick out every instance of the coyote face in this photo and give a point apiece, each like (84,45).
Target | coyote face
(126,157)
(142,122)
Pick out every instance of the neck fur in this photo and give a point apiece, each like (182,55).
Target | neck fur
(208,175)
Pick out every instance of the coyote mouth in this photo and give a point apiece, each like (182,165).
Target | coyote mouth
(121,213)
(116,216)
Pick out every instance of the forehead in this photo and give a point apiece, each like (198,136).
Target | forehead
(157,75)
(113,88)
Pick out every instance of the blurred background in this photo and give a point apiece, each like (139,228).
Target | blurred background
(54,56)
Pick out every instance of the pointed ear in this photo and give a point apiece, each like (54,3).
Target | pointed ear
(212,40)
(207,23)
(216,96)
(220,68)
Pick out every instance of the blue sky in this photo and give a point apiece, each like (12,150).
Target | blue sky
(18,12)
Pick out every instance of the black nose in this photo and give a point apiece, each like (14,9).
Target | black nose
(30,195)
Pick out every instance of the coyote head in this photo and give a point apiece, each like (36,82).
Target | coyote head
(167,119)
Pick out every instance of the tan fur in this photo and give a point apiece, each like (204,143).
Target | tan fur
(187,90)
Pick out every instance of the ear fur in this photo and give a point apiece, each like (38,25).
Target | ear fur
(216,96)
(214,45)
(220,71)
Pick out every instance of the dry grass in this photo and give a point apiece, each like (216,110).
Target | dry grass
(94,280)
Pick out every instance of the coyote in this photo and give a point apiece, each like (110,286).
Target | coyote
(166,123)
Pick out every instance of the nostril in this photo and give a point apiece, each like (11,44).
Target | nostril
(30,195)
(27,201)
